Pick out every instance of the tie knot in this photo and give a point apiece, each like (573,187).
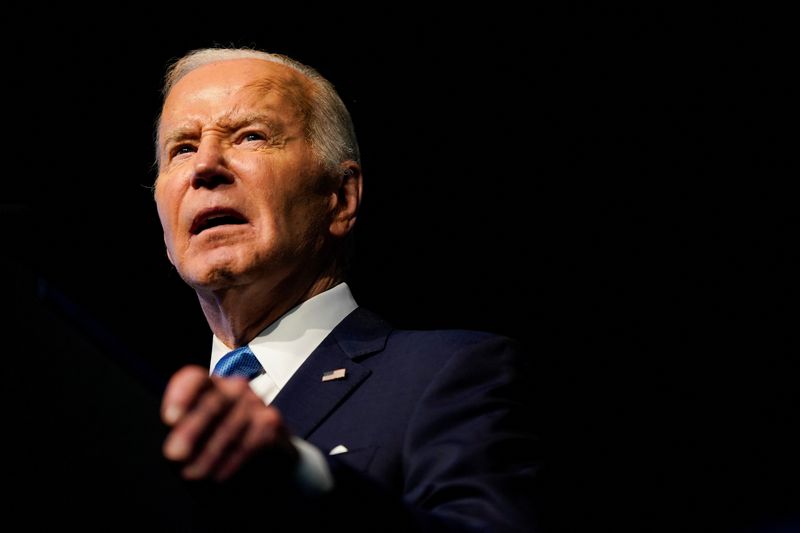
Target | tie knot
(240,362)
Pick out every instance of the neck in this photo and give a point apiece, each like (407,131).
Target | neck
(237,314)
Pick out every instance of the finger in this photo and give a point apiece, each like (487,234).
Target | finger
(182,391)
(226,436)
(199,422)
(260,435)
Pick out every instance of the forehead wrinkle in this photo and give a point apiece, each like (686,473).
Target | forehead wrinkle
(292,86)
(234,119)
(191,127)
(230,121)
(295,87)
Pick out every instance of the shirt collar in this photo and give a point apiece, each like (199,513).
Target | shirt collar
(286,343)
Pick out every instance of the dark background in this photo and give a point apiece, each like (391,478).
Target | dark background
(612,187)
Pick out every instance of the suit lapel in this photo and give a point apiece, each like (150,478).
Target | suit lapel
(305,401)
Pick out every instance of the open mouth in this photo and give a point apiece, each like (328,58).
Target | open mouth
(211,218)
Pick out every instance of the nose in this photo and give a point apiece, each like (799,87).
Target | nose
(210,167)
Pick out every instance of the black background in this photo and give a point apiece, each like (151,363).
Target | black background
(612,187)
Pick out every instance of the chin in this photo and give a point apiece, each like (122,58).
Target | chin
(210,278)
(214,269)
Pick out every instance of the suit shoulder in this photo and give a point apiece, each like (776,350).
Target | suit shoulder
(441,345)
(452,337)
(366,333)
(446,337)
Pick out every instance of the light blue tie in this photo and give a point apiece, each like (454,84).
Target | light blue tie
(239,362)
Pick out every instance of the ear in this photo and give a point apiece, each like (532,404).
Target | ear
(346,199)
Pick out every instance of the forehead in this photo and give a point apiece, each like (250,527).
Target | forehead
(215,90)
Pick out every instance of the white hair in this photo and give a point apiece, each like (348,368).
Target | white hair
(329,128)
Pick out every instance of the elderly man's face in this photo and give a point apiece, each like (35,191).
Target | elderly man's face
(239,193)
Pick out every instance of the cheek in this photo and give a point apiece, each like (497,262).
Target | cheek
(167,213)
(310,219)
(162,210)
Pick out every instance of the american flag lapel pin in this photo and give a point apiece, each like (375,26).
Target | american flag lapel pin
(330,375)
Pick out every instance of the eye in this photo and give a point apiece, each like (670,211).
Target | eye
(253,136)
(181,149)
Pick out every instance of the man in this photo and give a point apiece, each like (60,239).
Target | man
(321,406)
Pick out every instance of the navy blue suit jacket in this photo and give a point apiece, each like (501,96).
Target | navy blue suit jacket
(437,420)
(437,425)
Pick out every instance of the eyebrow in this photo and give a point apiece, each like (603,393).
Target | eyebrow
(232,121)
(229,122)
(177,135)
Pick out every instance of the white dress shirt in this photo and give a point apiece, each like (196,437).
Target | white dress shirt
(285,345)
